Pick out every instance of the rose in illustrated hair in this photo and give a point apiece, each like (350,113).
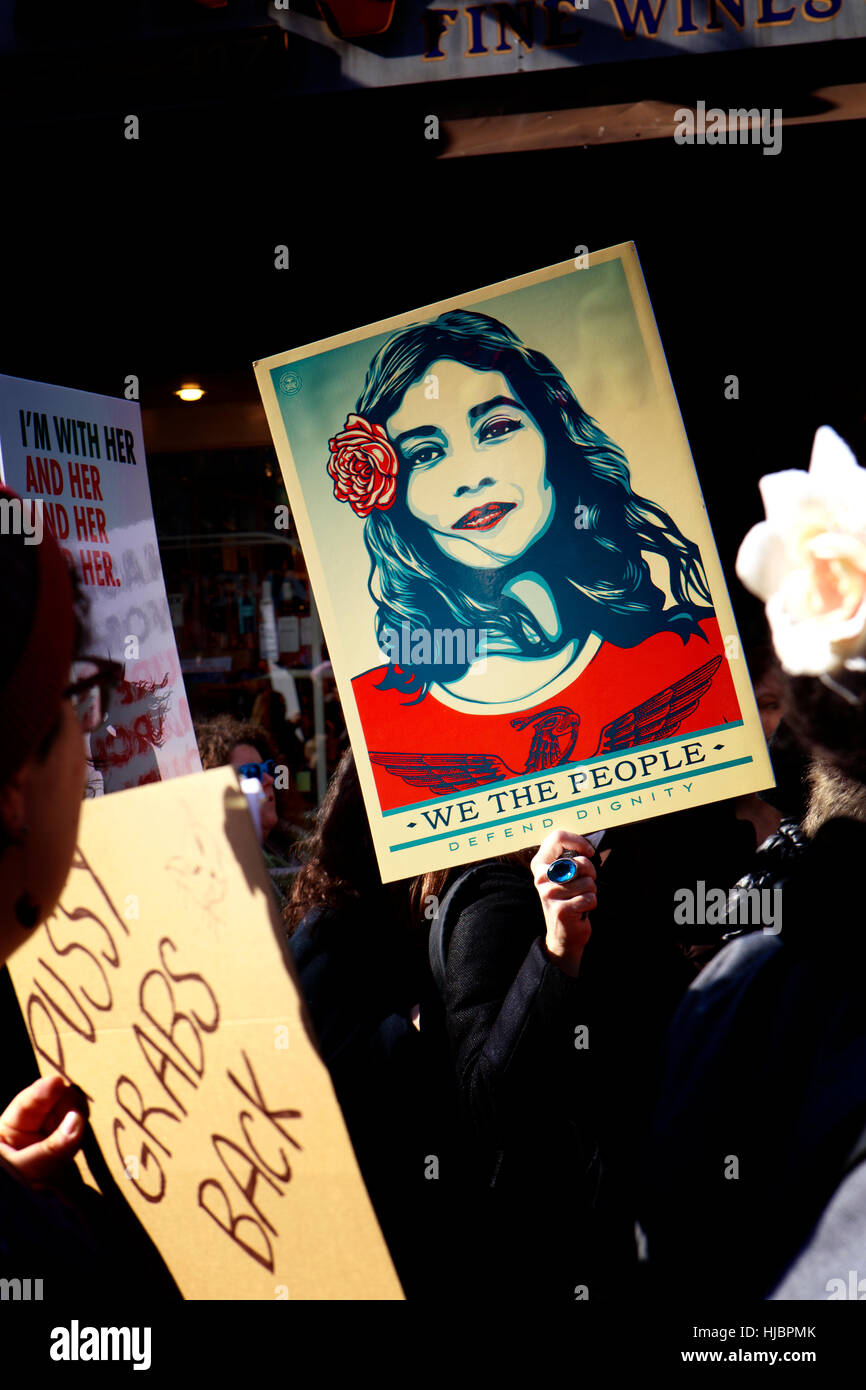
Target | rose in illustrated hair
(363,466)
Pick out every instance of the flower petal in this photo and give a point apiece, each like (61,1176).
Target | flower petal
(784,494)
(763,560)
(839,478)
(803,648)
(840,545)
(364,465)
(832,464)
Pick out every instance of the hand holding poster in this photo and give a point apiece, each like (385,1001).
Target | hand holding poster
(158,986)
(518,584)
(78,460)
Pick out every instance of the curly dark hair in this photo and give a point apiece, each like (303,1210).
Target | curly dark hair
(218,737)
(829,718)
(338,861)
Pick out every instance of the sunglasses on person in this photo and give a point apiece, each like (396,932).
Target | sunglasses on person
(91,690)
(258,770)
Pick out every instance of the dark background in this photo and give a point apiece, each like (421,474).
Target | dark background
(156,256)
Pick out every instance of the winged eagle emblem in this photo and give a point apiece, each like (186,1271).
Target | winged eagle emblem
(554,739)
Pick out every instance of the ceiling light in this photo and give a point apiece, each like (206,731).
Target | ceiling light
(190,391)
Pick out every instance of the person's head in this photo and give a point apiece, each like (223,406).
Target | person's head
(768,694)
(226,742)
(469,449)
(42,758)
(338,861)
(790,759)
(768,684)
(338,864)
(269,710)
(828,717)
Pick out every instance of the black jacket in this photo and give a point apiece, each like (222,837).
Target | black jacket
(764,1090)
(555,1078)
(361,974)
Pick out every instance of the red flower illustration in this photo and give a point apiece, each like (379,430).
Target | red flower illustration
(363,465)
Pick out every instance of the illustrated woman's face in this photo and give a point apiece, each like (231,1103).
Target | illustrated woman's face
(478,476)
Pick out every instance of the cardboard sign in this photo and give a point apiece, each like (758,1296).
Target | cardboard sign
(161,988)
(517,580)
(81,457)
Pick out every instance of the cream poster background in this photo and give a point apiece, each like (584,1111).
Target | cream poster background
(596,325)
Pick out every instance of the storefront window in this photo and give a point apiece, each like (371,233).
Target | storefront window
(246,626)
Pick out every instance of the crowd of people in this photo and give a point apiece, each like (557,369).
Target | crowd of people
(553,1089)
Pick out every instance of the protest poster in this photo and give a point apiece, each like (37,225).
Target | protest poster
(518,584)
(161,985)
(80,456)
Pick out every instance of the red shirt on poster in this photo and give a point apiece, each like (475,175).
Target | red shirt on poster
(616,702)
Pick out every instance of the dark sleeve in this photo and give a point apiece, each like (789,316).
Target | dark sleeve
(511,1013)
(20,1068)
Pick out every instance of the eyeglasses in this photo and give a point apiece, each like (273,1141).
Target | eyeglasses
(258,770)
(90,692)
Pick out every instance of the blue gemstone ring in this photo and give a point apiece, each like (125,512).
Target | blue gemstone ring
(561,870)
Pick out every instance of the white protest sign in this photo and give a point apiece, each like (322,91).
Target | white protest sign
(81,456)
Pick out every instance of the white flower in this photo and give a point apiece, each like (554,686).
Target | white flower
(807,561)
